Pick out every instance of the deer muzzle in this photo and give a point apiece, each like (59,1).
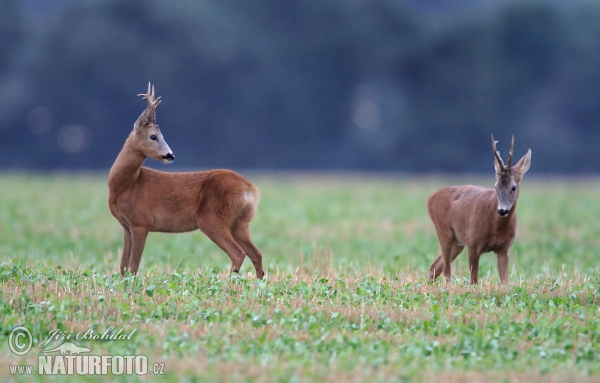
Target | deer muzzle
(168,157)
(503,212)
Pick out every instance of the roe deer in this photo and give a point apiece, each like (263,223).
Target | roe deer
(481,219)
(219,202)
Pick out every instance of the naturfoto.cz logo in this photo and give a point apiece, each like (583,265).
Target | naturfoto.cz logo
(68,358)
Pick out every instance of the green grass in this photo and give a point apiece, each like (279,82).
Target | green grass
(346,295)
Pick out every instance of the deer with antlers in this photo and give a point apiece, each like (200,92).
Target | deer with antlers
(481,219)
(220,203)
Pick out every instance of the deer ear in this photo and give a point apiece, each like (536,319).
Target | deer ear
(139,124)
(142,122)
(522,166)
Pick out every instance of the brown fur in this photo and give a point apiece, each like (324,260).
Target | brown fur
(467,216)
(220,203)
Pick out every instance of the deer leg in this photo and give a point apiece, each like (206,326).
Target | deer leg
(126,249)
(222,237)
(437,266)
(503,266)
(137,248)
(474,264)
(447,261)
(241,233)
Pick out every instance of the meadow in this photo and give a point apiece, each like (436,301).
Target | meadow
(345,298)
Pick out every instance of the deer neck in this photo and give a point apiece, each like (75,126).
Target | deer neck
(126,169)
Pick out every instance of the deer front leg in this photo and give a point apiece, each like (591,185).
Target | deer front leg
(138,241)
(503,266)
(474,264)
(126,249)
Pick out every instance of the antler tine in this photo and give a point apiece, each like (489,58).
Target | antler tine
(510,154)
(155,101)
(147,95)
(498,158)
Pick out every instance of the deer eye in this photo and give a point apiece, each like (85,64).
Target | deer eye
(514,188)
(153,137)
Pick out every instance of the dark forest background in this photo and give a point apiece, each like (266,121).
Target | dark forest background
(269,84)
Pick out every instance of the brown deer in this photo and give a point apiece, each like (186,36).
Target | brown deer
(219,202)
(481,219)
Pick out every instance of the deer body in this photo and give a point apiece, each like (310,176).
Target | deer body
(221,203)
(482,220)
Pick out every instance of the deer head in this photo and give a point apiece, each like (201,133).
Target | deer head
(149,139)
(508,177)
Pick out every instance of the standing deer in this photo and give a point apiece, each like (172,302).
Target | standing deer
(481,219)
(219,202)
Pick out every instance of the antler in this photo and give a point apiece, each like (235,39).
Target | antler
(510,154)
(152,103)
(498,158)
(149,114)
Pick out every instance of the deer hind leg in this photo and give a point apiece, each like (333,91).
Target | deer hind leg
(438,265)
(138,236)
(474,264)
(436,268)
(126,249)
(241,233)
(223,238)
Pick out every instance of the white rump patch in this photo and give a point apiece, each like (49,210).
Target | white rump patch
(248,196)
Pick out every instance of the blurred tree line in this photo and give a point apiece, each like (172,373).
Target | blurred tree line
(338,84)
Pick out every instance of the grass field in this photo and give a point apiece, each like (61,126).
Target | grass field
(345,298)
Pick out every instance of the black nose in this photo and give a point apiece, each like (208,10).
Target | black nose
(169,157)
(502,212)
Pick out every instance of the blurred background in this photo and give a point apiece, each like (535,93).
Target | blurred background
(411,86)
